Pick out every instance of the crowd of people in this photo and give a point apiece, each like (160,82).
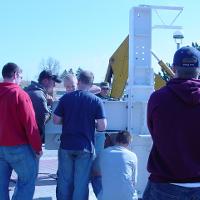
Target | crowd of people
(172,119)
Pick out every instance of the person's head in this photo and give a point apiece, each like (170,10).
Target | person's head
(186,63)
(123,138)
(105,89)
(70,82)
(110,140)
(48,80)
(85,80)
(12,73)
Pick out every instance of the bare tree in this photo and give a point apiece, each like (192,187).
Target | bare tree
(50,64)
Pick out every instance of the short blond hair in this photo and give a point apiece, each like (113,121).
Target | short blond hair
(70,77)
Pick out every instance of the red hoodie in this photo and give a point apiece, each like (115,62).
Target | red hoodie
(17,122)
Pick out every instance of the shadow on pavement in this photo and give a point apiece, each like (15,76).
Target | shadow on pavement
(46,182)
(45,179)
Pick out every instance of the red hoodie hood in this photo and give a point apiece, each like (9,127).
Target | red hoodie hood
(188,90)
(6,87)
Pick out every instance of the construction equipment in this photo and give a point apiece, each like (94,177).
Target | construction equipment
(164,66)
(158,80)
(117,71)
(129,113)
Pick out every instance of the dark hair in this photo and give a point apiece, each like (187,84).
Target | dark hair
(187,72)
(9,69)
(123,137)
(110,140)
(86,77)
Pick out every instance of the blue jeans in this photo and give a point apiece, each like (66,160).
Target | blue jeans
(74,169)
(166,191)
(96,185)
(23,161)
(96,180)
(99,142)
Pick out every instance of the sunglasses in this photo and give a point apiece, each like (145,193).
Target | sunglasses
(105,88)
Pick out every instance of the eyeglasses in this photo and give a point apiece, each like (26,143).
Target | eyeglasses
(105,88)
(20,75)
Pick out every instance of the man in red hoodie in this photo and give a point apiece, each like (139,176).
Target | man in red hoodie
(20,144)
(173,117)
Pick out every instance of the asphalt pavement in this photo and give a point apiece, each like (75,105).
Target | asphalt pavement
(46,182)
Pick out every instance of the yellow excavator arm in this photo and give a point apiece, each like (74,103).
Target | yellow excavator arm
(117,72)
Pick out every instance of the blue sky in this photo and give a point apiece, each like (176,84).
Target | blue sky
(82,33)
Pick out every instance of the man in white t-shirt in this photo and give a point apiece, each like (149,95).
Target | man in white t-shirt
(118,167)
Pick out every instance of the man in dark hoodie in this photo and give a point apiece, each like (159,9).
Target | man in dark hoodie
(39,94)
(173,120)
(20,142)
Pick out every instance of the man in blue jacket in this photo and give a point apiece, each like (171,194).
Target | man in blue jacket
(173,120)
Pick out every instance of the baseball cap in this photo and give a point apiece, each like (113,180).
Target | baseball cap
(104,85)
(187,57)
(47,74)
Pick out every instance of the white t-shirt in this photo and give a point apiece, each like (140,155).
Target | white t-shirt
(118,167)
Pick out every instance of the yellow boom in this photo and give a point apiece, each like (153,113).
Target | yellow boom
(117,72)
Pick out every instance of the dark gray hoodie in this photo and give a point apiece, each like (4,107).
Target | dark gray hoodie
(38,97)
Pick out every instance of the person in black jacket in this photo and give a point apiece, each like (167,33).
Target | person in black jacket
(41,100)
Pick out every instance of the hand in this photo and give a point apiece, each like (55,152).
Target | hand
(39,154)
(49,100)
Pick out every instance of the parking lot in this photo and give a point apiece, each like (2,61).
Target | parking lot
(46,183)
